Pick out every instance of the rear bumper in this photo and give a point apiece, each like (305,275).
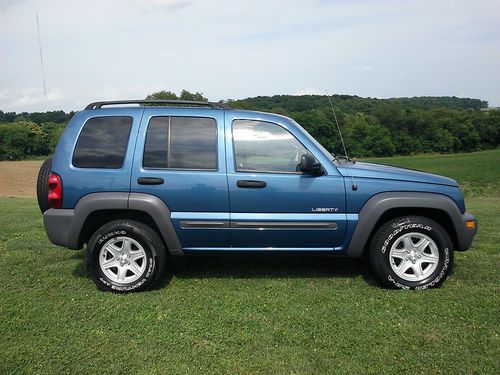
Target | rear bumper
(465,235)
(64,226)
(59,226)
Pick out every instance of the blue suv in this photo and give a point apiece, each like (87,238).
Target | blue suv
(140,181)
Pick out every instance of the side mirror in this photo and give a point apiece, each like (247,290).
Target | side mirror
(309,165)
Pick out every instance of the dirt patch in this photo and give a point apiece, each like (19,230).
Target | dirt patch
(18,178)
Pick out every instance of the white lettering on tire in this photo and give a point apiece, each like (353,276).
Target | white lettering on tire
(399,230)
(431,283)
(111,234)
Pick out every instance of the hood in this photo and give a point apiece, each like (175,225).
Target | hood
(387,172)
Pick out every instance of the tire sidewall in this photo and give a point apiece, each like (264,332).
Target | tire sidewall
(100,278)
(421,225)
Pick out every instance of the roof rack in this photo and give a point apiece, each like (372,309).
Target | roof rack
(98,105)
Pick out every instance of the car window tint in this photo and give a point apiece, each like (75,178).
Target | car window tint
(155,154)
(181,143)
(103,142)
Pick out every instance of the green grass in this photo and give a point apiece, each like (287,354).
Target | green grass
(247,315)
(478,173)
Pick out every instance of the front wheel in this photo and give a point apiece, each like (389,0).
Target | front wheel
(125,256)
(411,253)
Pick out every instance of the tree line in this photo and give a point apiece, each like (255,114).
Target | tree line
(370,127)
(387,127)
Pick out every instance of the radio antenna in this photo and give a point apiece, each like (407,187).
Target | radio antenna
(338,126)
(41,56)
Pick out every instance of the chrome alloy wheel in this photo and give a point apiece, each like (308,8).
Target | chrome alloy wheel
(122,260)
(414,256)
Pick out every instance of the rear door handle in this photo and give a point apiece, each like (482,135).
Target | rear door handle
(251,184)
(150,181)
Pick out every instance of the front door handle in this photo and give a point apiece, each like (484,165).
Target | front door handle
(251,184)
(150,181)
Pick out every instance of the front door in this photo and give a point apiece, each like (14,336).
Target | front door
(273,205)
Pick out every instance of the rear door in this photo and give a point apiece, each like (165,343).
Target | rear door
(180,158)
(274,206)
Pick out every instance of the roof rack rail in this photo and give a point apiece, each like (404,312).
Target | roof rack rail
(98,105)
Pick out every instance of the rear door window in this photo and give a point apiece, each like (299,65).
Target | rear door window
(181,143)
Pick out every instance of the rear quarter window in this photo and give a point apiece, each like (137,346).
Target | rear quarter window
(103,142)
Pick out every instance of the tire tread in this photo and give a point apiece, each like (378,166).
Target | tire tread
(42,185)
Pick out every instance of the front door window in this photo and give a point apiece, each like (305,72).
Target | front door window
(265,147)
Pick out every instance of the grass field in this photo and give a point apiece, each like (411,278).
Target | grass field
(269,315)
(478,173)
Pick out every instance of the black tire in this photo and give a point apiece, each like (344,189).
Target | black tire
(155,255)
(42,185)
(390,238)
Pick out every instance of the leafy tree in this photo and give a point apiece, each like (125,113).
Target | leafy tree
(53,132)
(169,95)
(7,116)
(162,95)
(197,96)
(13,141)
(22,139)
(321,127)
(365,137)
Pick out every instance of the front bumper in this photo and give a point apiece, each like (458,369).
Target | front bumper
(466,235)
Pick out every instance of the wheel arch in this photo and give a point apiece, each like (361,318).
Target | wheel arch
(438,215)
(98,218)
(386,206)
(94,210)
(155,208)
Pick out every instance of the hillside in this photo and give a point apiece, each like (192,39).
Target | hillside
(386,127)
(371,127)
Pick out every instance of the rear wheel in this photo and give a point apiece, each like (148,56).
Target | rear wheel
(42,185)
(411,253)
(125,256)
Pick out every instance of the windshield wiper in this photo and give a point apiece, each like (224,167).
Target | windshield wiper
(338,158)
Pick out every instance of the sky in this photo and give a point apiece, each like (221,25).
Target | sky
(112,49)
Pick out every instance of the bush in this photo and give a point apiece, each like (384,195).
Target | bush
(23,139)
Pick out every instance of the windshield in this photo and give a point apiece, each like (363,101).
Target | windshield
(316,143)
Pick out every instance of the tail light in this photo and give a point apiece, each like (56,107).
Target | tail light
(55,191)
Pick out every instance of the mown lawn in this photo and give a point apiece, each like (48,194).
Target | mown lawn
(478,172)
(248,315)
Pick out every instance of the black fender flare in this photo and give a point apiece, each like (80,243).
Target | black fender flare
(377,205)
(64,226)
(158,210)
